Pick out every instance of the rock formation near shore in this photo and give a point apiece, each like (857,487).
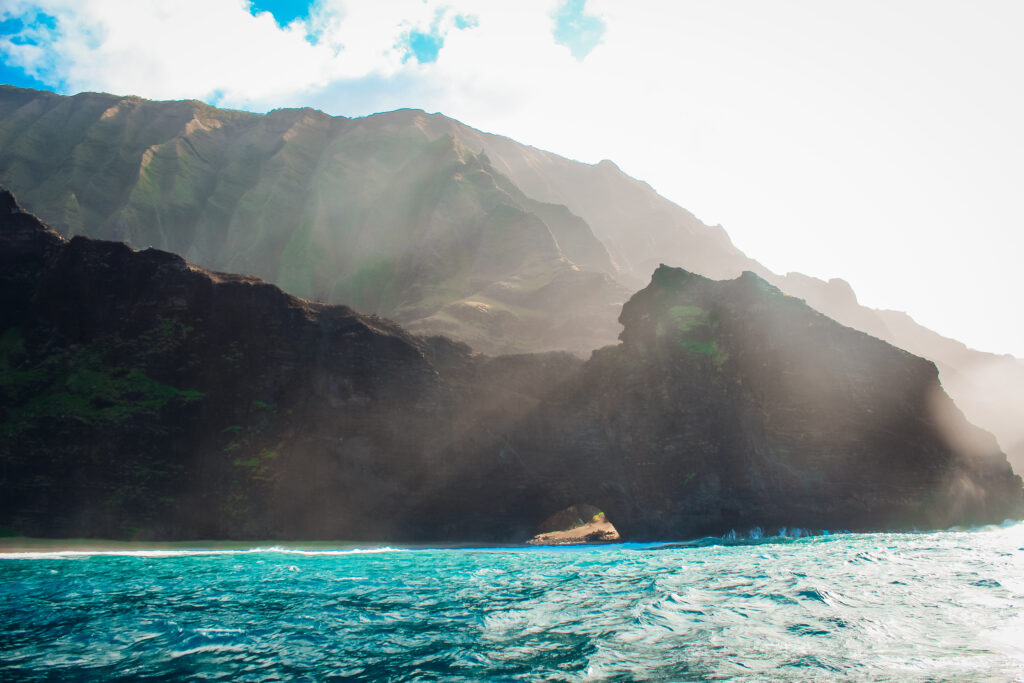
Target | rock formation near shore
(143,397)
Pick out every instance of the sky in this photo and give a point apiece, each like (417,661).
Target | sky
(878,141)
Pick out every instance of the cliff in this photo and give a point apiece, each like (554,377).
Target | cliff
(413,216)
(144,397)
(732,405)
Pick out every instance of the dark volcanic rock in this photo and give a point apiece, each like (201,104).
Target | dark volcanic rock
(416,217)
(143,397)
(731,405)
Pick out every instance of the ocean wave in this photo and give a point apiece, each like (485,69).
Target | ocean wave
(913,607)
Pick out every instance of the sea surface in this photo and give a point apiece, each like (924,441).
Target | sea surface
(942,606)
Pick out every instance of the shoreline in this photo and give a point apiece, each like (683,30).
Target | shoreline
(24,544)
(12,545)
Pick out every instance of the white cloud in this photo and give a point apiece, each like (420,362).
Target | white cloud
(198,48)
(191,48)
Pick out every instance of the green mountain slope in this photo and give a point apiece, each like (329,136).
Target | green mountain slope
(370,212)
(415,216)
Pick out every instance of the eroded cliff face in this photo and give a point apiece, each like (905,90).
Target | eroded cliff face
(142,395)
(732,405)
(374,212)
(145,397)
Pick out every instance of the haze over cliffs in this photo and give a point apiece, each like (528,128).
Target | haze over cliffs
(143,397)
(368,212)
(417,217)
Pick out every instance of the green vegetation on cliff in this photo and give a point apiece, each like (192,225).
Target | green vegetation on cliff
(375,213)
(86,384)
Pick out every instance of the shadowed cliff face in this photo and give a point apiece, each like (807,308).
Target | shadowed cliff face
(141,395)
(414,216)
(145,397)
(731,405)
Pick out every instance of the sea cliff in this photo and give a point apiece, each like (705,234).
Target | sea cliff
(144,397)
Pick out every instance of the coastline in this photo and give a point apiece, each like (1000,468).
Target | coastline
(21,544)
(13,545)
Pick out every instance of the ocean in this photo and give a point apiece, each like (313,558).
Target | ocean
(936,606)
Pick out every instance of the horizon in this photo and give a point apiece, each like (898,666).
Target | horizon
(837,140)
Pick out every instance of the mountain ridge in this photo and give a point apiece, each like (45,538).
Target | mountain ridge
(315,236)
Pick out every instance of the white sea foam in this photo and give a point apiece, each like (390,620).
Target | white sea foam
(78,554)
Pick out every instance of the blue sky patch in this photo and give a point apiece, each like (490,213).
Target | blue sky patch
(22,32)
(284,11)
(12,75)
(463,21)
(11,28)
(574,29)
(423,46)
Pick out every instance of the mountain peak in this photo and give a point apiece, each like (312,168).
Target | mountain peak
(293,113)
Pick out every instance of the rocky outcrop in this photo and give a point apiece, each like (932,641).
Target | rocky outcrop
(576,525)
(145,397)
(732,405)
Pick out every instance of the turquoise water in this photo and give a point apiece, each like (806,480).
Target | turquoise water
(901,607)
